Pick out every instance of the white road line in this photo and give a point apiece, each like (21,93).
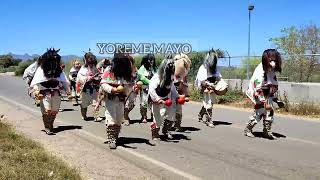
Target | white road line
(139,155)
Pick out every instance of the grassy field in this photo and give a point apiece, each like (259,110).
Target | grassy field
(22,158)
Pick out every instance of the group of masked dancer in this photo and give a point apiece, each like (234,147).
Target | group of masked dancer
(116,84)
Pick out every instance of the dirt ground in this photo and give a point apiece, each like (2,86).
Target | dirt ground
(94,162)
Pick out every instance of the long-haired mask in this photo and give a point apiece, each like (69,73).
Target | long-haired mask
(89,59)
(182,65)
(50,63)
(210,62)
(271,60)
(149,62)
(121,66)
(166,71)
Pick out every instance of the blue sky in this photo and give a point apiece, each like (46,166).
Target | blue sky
(74,26)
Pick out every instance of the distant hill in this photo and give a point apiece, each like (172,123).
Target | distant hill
(23,57)
(26,56)
(70,57)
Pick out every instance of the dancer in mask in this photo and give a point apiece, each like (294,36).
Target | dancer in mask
(163,95)
(145,73)
(207,77)
(103,64)
(262,91)
(87,83)
(116,82)
(182,66)
(48,84)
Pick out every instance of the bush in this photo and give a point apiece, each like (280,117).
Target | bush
(196,61)
(11,68)
(138,59)
(195,94)
(22,66)
(231,96)
(8,69)
(3,70)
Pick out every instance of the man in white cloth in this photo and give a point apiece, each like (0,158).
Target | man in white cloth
(262,91)
(163,96)
(88,80)
(207,76)
(73,77)
(48,84)
(115,84)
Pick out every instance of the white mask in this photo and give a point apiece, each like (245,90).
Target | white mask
(272,64)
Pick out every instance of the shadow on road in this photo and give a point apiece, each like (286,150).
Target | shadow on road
(124,141)
(90,118)
(66,128)
(184,129)
(134,121)
(217,123)
(260,135)
(176,138)
(64,110)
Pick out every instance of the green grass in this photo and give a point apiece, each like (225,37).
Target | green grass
(22,158)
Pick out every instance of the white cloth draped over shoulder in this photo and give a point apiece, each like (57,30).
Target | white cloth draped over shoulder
(39,78)
(29,72)
(257,82)
(73,71)
(203,74)
(85,72)
(154,83)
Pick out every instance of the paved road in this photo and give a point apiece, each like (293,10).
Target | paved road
(207,153)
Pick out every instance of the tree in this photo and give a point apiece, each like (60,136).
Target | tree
(23,65)
(7,61)
(294,43)
(197,60)
(240,73)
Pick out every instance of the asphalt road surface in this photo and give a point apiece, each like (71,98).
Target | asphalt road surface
(202,152)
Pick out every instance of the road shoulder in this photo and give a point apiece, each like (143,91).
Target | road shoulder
(242,109)
(91,157)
